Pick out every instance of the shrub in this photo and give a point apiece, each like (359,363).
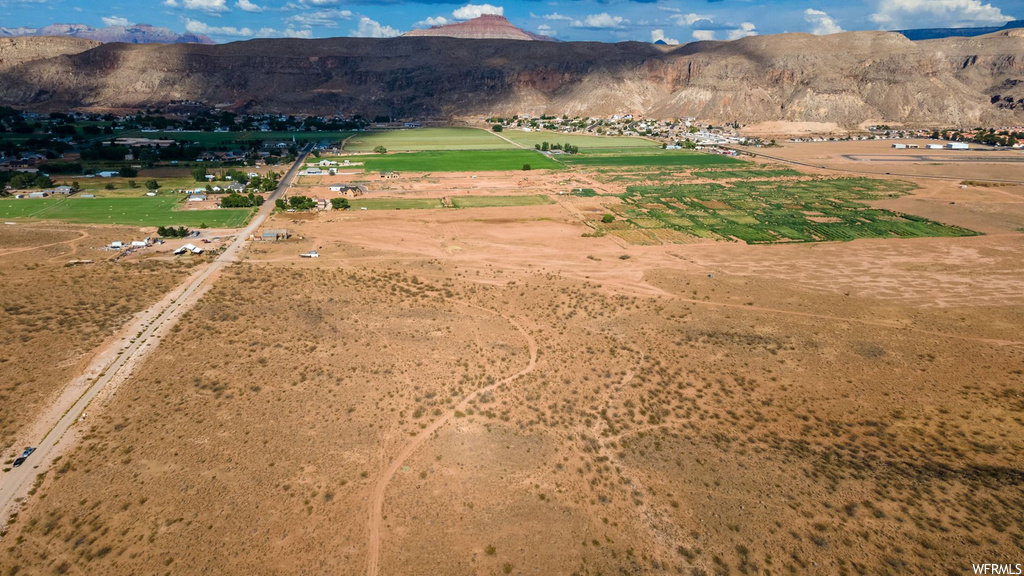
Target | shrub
(608,218)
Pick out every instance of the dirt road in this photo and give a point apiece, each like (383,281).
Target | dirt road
(68,408)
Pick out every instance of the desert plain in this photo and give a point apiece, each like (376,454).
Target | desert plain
(513,389)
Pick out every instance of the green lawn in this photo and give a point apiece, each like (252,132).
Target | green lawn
(584,141)
(395,203)
(667,158)
(145,211)
(498,201)
(427,139)
(456,161)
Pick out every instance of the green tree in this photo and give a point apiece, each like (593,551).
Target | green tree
(199,174)
(527,167)
(497,128)
(339,203)
(150,184)
(380,150)
(280,203)
(608,218)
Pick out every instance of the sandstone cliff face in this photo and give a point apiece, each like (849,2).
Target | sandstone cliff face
(488,26)
(14,51)
(845,78)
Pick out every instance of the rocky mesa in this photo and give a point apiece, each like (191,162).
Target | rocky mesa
(846,78)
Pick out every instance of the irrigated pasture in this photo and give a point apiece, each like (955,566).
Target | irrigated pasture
(136,211)
(457,161)
(427,139)
(769,212)
(585,142)
(673,158)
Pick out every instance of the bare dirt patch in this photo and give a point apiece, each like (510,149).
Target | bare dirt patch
(55,313)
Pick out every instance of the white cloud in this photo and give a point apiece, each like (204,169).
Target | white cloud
(602,20)
(898,14)
(821,23)
(556,17)
(470,11)
(373,29)
(546,30)
(286,33)
(745,29)
(171,3)
(431,21)
(115,21)
(204,5)
(659,34)
(247,6)
(689,19)
(703,34)
(326,18)
(197,27)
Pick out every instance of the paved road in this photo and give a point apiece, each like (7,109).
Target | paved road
(17,482)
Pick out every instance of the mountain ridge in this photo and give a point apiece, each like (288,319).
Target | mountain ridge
(846,78)
(131,34)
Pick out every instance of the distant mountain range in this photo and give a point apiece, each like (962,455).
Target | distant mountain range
(936,33)
(488,26)
(847,79)
(133,34)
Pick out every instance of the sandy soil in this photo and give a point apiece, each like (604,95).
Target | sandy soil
(878,157)
(486,391)
(56,315)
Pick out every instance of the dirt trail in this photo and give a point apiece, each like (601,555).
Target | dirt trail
(82,236)
(377,497)
(499,135)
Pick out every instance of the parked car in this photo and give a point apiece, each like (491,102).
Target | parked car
(27,452)
(18,461)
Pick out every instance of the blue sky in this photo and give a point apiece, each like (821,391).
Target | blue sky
(675,21)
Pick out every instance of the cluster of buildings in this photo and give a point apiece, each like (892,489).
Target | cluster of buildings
(946,146)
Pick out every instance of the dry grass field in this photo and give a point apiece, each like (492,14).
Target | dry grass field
(54,315)
(477,391)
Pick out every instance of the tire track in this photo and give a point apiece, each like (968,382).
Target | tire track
(377,497)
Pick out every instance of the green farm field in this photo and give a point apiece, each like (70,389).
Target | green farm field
(122,188)
(673,158)
(145,211)
(499,201)
(772,212)
(746,174)
(457,161)
(229,138)
(396,203)
(417,139)
(585,142)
